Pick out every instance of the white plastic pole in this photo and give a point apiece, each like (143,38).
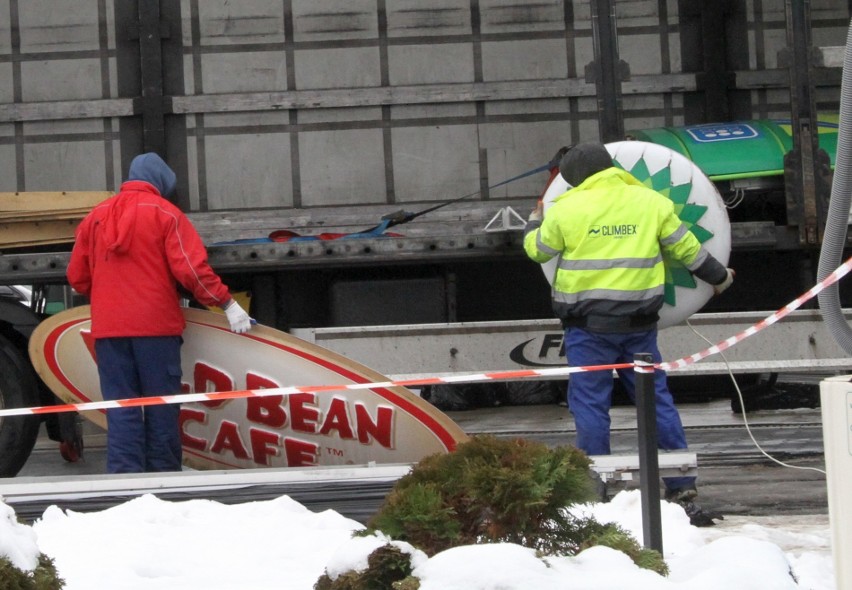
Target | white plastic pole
(836,403)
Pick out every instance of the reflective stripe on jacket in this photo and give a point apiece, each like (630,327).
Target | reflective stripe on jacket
(610,234)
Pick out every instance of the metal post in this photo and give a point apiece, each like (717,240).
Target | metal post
(151,70)
(607,71)
(809,183)
(649,467)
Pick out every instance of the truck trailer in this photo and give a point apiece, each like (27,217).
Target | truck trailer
(366,167)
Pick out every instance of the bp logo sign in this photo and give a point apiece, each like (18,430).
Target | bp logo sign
(691,212)
(697,203)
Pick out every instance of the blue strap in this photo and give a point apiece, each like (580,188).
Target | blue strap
(541,168)
(376,232)
(379,230)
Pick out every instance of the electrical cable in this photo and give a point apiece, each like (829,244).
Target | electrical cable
(745,418)
(736,200)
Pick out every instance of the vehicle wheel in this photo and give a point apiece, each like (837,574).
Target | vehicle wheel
(762,386)
(18,389)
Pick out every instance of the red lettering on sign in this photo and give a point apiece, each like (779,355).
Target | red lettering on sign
(337,418)
(254,381)
(209,379)
(303,417)
(228,439)
(264,444)
(266,411)
(381,429)
(300,453)
(187,440)
(274,414)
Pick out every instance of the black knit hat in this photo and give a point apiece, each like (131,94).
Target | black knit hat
(583,160)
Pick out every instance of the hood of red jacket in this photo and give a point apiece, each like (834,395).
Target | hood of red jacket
(119,224)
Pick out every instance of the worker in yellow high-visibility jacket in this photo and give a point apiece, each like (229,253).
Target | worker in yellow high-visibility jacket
(609,233)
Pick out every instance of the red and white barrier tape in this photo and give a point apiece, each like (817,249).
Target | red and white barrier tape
(835,276)
(244,393)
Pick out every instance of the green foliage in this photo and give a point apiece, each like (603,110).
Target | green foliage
(387,568)
(419,513)
(409,583)
(613,536)
(489,490)
(43,577)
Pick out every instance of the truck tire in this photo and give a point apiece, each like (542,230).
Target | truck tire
(18,389)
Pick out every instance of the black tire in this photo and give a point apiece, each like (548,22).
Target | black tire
(18,389)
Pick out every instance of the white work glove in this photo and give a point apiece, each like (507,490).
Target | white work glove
(726,283)
(537,213)
(237,317)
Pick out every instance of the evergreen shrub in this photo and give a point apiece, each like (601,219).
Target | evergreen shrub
(43,577)
(492,490)
(388,568)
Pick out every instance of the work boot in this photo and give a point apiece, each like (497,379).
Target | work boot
(698,516)
(681,495)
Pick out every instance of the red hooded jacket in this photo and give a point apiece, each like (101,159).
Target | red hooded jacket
(130,253)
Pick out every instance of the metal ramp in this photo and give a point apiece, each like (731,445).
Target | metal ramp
(354,491)
(625,468)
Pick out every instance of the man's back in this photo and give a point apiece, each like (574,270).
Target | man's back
(132,250)
(610,234)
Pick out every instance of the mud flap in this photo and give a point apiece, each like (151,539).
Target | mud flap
(70,436)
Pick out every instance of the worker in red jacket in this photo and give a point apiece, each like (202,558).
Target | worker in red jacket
(131,253)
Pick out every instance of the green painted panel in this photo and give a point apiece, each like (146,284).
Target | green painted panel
(740,149)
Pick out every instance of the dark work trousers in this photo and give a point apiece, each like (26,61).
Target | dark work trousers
(590,392)
(141,439)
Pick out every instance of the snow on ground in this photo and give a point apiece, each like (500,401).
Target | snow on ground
(149,543)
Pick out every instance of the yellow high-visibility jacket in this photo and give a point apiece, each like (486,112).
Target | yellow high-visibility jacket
(610,233)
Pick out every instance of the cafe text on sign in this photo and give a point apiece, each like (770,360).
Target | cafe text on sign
(278,428)
(347,427)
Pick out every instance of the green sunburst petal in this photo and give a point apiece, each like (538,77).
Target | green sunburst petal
(676,276)
(661,181)
(680,194)
(701,233)
(640,171)
(689,213)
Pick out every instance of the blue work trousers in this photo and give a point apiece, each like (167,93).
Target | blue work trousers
(141,439)
(590,392)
